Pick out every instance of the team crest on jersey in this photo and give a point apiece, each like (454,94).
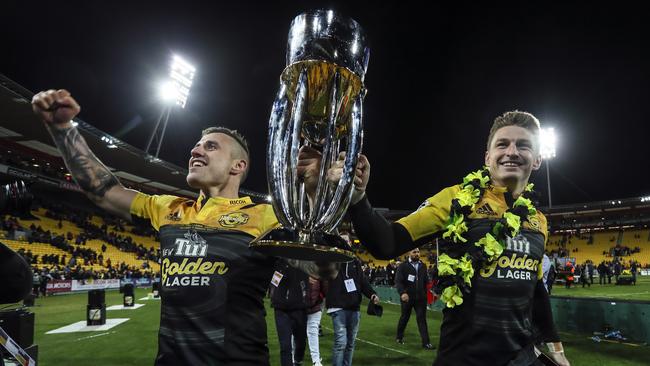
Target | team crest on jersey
(233,219)
(534,223)
(191,245)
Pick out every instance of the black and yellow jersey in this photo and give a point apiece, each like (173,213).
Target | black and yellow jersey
(495,320)
(212,283)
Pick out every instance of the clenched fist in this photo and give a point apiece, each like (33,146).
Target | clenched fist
(55,107)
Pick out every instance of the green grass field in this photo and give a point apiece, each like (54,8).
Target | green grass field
(134,342)
(640,291)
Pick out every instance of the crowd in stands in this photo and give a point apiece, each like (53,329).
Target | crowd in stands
(621,251)
(91,231)
(70,265)
(10,225)
(381,275)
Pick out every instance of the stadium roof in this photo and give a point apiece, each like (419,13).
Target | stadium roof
(19,124)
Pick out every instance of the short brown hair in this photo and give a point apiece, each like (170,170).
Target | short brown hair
(241,140)
(515,118)
(235,135)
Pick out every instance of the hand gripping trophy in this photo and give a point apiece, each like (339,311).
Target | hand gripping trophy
(319,104)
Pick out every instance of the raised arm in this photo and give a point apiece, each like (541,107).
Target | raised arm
(384,240)
(57,109)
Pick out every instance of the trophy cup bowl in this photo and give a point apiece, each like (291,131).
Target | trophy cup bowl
(319,104)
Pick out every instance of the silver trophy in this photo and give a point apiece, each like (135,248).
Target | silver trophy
(319,104)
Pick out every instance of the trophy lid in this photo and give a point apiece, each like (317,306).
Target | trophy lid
(325,35)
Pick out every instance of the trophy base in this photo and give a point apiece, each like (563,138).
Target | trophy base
(321,248)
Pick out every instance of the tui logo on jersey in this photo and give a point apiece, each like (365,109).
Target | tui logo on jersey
(233,219)
(517,266)
(194,267)
(191,245)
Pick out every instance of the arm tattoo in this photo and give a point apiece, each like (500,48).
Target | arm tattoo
(91,175)
(318,270)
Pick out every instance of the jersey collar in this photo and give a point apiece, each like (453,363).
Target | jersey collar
(203,201)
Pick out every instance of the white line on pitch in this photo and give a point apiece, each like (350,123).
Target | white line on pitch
(94,335)
(378,345)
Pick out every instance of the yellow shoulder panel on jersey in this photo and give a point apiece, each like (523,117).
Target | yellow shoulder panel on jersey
(431,216)
(219,213)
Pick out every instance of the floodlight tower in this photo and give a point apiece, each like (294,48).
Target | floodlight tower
(547,141)
(173,93)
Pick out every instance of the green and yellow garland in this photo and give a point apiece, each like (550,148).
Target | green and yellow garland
(456,267)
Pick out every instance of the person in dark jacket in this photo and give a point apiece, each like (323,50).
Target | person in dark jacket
(343,300)
(590,272)
(411,282)
(289,299)
(602,273)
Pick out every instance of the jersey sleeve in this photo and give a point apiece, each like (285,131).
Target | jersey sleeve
(431,216)
(152,207)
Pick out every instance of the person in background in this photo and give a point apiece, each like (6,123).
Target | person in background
(343,303)
(314,314)
(411,280)
(289,299)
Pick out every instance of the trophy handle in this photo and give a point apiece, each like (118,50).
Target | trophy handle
(282,155)
(292,143)
(341,198)
(276,160)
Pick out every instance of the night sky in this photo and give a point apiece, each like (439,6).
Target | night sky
(438,75)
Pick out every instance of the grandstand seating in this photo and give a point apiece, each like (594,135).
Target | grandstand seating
(39,249)
(603,241)
(114,254)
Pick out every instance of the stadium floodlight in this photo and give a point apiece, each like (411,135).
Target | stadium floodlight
(547,142)
(547,145)
(181,76)
(175,90)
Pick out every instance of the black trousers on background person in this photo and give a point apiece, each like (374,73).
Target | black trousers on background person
(420,315)
(288,323)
